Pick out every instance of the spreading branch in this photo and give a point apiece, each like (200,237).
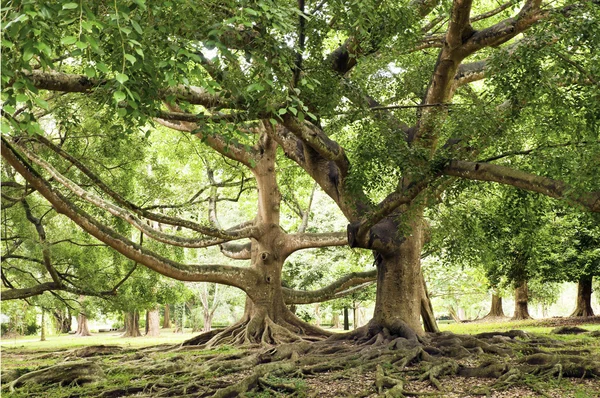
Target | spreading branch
(341,287)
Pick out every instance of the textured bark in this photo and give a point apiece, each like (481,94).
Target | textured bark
(335,319)
(82,326)
(43,333)
(153,323)
(355,315)
(132,324)
(346,319)
(167,318)
(318,314)
(62,320)
(521,302)
(429,322)
(584,297)
(496,308)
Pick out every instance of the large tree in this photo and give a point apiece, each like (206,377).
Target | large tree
(373,100)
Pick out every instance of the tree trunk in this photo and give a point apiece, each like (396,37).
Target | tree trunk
(318,314)
(584,297)
(146,324)
(429,322)
(208,316)
(346,319)
(335,319)
(43,333)
(62,320)
(399,283)
(355,315)
(496,309)
(132,324)
(521,302)
(153,323)
(167,318)
(82,326)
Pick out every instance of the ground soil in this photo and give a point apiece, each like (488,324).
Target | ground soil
(509,364)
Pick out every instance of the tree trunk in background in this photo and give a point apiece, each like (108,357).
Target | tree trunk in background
(293,308)
(82,326)
(43,333)
(335,319)
(355,314)
(318,314)
(496,309)
(521,302)
(153,323)
(346,319)
(453,314)
(584,297)
(132,324)
(62,320)
(208,317)
(146,324)
(429,322)
(167,318)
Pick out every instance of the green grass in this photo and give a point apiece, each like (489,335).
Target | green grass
(529,326)
(68,341)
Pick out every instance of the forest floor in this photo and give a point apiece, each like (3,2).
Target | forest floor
(106,366)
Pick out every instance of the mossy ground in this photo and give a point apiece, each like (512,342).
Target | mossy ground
(139,367)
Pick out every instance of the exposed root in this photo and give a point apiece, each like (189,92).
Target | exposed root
(78,373)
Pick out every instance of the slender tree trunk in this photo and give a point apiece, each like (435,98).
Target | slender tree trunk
(318,314)
(208,316)
(146,324)
(496,308)
(132,324)
(355,315)
(429,322)
(43,333)
(167,318)
(153,323)
(82,326)
(584,297)
(335,319)
(521,302)
(346,319)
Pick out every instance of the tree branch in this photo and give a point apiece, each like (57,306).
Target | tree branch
(301,241)
(242,278)
(520,179)
(341,287)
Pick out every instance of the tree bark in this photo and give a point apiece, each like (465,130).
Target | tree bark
(584,297)
(82,326)
(318,314)
(355,315)
(43,332)
(521,302)
(429,322)
(335,319)
(496,308)
(62,320)
(167,318)
(153,323)
(346,319)
(132,324)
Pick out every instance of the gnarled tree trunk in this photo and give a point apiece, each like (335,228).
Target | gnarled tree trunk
(62,320)
(584,297)
(521,302)
(496,308)
(82,326)
(153,323)
(132,324)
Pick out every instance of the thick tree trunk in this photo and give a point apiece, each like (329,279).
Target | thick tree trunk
(496,310)
(584,297)
(63,320)
(208,317)
(153,323)
(346,319)
(521,302)
(335,319)
(132,324)
(82,326)
(399,284)
(43,333)
(167,318)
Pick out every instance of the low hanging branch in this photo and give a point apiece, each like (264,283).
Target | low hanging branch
(340,288)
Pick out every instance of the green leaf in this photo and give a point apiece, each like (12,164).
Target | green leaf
(282,111)
(130,58)
(22,98)
(67,40)
(81,45)
(102,67)
(119,96)
(7,44)
(5,127)
(28,54)
(273,121)
(90,72)
(121,78)
(70,6)
(137,27)
(41,103)
(293,110)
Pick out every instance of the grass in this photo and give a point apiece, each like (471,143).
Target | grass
(68,341)
(529,326)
